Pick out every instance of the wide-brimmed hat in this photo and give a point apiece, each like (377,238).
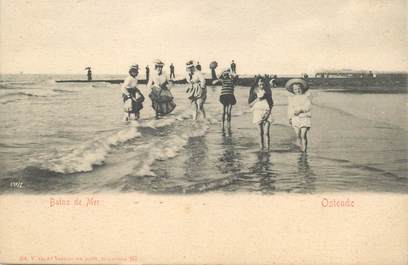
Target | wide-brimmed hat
(190,64)
(158,62)
(301,82)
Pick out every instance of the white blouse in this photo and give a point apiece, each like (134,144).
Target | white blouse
(130,82)
(157,80)
(297,103)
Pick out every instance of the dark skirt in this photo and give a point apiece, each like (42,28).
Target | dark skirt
(162,101)
(136,105)
(228,99)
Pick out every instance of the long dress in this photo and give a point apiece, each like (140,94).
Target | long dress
(162,99)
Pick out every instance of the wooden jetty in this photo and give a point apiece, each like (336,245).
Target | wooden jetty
(394,82)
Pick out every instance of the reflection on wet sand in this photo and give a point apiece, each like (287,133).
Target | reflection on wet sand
(306,175)
(230,158)
(197,162)
(263,169)
(266,176)
(199,168)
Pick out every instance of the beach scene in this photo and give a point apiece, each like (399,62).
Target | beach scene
(70,138)
(64,85)
(204,132)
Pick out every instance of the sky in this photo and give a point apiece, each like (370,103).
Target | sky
(262,36)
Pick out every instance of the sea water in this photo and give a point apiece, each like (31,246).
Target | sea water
(70,138)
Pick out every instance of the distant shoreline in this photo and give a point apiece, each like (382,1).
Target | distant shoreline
(381,84)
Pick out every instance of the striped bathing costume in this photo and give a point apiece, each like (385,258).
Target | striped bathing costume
(227,92)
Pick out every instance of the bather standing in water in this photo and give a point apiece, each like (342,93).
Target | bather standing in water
(227,98)
(299,110)
(132,96)
(197,89)
(162,99)
(261,102)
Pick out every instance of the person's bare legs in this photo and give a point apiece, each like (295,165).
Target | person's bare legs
(261,135)
(196,110)
(267,125)
(298,138)
(229,109)
(224,112)
(303,136)
(202,108)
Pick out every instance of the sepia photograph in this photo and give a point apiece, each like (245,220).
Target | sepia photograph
(190,98)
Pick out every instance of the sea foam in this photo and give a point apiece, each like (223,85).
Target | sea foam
(85,156)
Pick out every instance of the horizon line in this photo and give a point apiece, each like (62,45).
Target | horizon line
(245,74)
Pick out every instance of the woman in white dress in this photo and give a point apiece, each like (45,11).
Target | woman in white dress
(261,102)
(162,99)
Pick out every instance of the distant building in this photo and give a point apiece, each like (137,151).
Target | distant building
(344,73)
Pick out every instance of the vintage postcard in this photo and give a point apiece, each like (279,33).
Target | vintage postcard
(203,132)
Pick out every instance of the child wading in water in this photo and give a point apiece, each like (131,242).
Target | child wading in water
(299,110)
(227,97)
(261,102)
(132,97)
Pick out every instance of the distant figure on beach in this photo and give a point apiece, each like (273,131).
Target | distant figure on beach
(197,90)
(213,65)
(198,66)
(147,73)
(305,76)
(162,99)
(233,67)
(227,97)
(132,97)
(172,71)
(299,110)
(89,73)
(261,102)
